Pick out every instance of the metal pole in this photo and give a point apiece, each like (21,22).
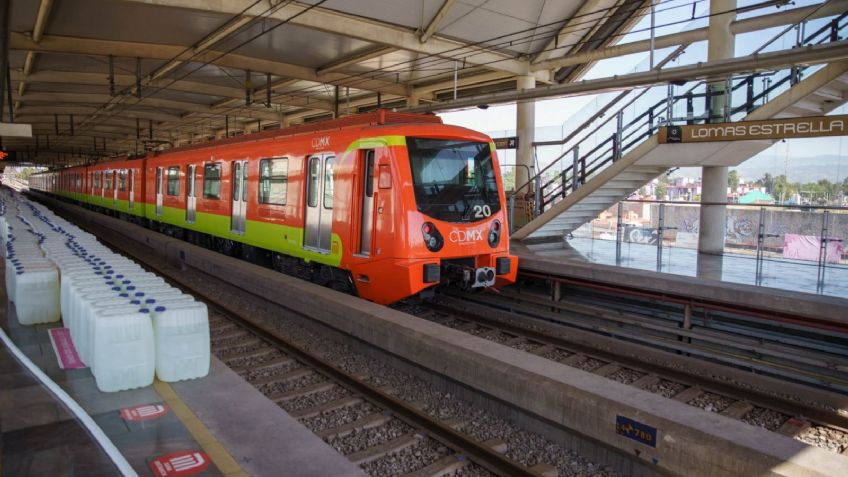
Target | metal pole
(138,77)
(5,20)
(9,92)
(511,211)
(150,128)
(669,105)
(760,243)
(538,195)
(619,233)
(111,75)
(660,228)
(227,126)
(574,166)
(248,88)
(653,32)
(71,119)
(823,251)
(619,125)
(455,77)
(728,98)
(336,102)
(267,90)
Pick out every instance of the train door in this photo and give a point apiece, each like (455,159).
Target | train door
(115,188)
(104,186)
(239,196)
(132,188)
(366,224)
(191,198)
(319,203)
(159,179)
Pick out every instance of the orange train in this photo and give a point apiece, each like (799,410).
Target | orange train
(384,205)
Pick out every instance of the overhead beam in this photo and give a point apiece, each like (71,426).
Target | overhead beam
(91,46)
(354,59)
(87,110)
(574,29)
(789,17)
(437,19)
(37,31)
(718,69)
(100,99)
(338,23)
(195,87)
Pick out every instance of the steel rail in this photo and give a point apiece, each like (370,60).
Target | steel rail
(740,309)
(762,399)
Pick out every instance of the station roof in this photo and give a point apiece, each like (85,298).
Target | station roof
(207,68)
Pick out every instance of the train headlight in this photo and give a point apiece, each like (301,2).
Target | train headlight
(495,233)
(432,238)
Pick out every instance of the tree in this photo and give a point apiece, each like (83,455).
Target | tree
(767,181)
(733,181)
(662,187)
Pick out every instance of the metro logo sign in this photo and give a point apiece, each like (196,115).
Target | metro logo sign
(144,412)
(179,464)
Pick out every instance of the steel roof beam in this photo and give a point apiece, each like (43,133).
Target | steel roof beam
(575,29)
(88,110)
(817,54)
(330,21)
(91,46)
(98,79)
(436,21)
(788,17)
(354,59)
(37,31)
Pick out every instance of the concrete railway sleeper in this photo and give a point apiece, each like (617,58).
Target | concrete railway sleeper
(826,428)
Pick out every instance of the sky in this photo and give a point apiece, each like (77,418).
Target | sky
(556,118)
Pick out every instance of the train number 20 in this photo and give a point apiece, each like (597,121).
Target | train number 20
(481,211)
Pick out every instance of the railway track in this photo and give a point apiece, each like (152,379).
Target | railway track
(369,422)
(814,425)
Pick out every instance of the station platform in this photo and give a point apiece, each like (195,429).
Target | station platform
(722,281)
(218,425)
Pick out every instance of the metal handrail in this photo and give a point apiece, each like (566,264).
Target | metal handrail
(557,186)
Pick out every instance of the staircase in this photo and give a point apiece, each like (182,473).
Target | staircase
(589,183)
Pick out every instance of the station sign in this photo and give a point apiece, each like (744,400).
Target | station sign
(506,142)
(790,128)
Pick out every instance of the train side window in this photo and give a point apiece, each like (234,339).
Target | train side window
(122,180)
(108,180)
(174,180)
(273,181)
(212,181)
(314,175)
(97,180)
(328,183)
(369,171)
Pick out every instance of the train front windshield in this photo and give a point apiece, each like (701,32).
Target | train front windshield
(454,180)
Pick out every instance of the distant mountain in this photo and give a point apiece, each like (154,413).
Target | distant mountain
(798,169)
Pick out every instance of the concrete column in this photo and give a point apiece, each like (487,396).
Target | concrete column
(721,45)
(525,125)
(412,101)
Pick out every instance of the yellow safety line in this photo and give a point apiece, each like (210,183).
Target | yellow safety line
(217,452)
